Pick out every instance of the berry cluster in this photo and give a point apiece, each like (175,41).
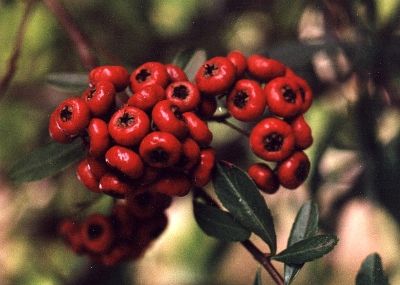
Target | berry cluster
(124,235)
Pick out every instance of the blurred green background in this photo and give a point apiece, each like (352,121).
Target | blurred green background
(347,50)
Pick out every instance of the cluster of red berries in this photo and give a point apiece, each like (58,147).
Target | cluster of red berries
(262,89)
(124,235)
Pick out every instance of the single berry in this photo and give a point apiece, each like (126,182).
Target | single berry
(302,132)
(294,170)
(175,73)
(263,68)
(115,74)
(198,129)
(100,97)
(125,160)
(265,179)
(97,233)
(239,61)
(87,177)
(99,139)
(201,174)
(168,118)
(147,97)
(183,94)
(114,185)
(149,73)
(72,116)
(55,132)
(172,183)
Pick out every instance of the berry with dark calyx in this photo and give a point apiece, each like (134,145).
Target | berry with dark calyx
(72,116)
(117,75)
(198,129)
(246,102)
(149,73)
(99,139)
(168,118)
(239,61)
(172,183)
(97,233)
(147,97)
(125,160)
(87,177)
(263,68)
(302,132)
(183,94)
(175,73)
(272,139)
(283,97)
(305,91)
(160,149)
(128,126)
(201,174)
(216,75)
(147,204)
(265,179)
(114,185)
(294,170)
(55,132)
(100,97)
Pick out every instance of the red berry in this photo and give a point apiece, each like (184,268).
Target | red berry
(239,61)
(305,93)
(175,73)
(147,97)
(172,183)
(86,176)
(149,73)
(265,179)
(55,132)
(283,97)
(148,231)
(207,106)
(263,68)
(100,97)
(147,204)
(99,140)
(216,75)
(125,160)
(114,186)
(202,172)
(117,75)
(71,232)
(72,116)
(160,149)
(272,139)
(198,129)
(97,166)
(293,171)
(190,154)
(183,94)
(247,101)
(168,118)
(128,126)
(302,132)
(97,233)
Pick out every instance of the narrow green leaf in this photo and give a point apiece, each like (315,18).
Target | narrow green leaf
(307,249)
(257,279)
(46,161)
(304,226)
(240,196)
(217,223)
(198,58)
(70,82)
(371,272)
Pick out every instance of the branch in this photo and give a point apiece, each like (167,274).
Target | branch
(81,42)
(12,62)
(262,258)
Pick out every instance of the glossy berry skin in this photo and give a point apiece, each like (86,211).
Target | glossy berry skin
(175,73)
(147,97)
(125,160)
(113,185)
(216,75)
(72,116)
(128,126)
(198,129)
(97,166)
(246,102)
(172,183)
(202,172)
(207,106)
(149,73)
(87,177)
(294,170)
(263,68)
(160,149)
(283,97)
(147,204)
(183,94)
(190,154)
(265,179)
(55,132)
(97,233)
(99,140)
(302,132)
(115,74)
(168,118)
(100,98)
(239,61)
(305,91)
(272,139)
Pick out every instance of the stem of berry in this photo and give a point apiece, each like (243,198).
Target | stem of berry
(263,258)
(236,128)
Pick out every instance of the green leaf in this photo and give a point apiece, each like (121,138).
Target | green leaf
(217,223)
(46,161)
(257,279)
(70,82)
(240,196)
(371,272)
(307,249)
(304,226)
(198,58)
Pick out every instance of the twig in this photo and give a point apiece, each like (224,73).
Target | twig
(12,62)
(262,258)
(81,42)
